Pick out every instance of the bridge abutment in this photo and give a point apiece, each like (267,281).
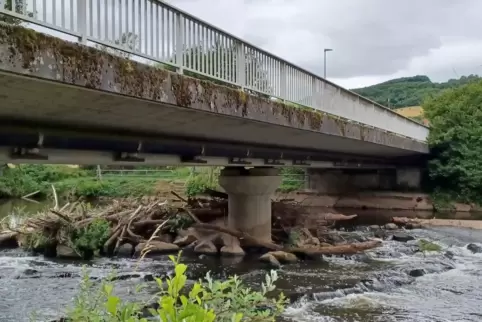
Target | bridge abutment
(250,192)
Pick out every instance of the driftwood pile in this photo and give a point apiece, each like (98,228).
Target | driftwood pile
(197,224)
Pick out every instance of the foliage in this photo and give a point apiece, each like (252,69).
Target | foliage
(200,181)
(293,179)
(89,239)
(179,222)
(426,246)
(410,91)
(455,140)
(108,187)
(206,301)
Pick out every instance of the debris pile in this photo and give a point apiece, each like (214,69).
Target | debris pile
(137,227)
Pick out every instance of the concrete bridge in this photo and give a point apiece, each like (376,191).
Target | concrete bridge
(141,82)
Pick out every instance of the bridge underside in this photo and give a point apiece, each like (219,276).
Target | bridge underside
(97,105)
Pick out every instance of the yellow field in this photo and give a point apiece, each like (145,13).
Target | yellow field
(410,111)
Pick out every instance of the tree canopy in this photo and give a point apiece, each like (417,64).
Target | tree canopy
(455,140)
(410,91)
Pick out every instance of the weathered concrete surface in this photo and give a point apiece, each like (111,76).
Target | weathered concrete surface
(112,92)
(249,201)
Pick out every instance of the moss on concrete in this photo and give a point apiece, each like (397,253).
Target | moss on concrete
(97,69)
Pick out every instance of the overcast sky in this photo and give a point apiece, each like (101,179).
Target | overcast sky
(373,40)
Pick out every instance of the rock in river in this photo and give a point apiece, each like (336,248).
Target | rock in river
(66,252)
(402,237)
(284,257)
(391,226)
(125,250)
(474,248)
(417,272)
(206,247)
(270,260)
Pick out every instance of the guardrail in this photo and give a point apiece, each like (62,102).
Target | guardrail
(161,33)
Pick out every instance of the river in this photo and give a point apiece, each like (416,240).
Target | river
(365,288)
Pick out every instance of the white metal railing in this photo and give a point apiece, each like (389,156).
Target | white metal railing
(158,32)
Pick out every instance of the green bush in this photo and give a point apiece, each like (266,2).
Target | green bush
(88,240)
(205,301)
(455,141)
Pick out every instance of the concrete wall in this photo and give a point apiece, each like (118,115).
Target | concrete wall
(339,182)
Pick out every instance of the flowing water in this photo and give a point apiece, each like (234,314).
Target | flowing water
(364,288)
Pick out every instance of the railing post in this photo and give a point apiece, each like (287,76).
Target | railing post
(179,42)
(240,65)
(313,92)
(283,93)
(82,20)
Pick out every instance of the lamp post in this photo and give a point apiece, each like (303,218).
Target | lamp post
(324,61)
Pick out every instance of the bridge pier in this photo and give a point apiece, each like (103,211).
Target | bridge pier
(250,192)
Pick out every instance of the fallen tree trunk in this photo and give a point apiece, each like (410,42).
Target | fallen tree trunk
(337,217)
(7,237)
(347,249)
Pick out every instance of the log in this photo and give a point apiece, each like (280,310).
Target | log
(347,249)
(216,194)
(337,217)
(6,237)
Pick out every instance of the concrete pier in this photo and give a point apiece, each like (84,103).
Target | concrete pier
(250,192)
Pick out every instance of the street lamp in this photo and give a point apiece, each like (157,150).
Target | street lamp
(324,61)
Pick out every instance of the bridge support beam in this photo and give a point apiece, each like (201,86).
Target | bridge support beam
(250,192)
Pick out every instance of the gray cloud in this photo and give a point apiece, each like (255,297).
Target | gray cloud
(372,40)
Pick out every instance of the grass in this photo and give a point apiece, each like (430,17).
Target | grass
(74,182)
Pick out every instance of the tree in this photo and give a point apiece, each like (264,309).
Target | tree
(20,8)
(455,140)
(410,91)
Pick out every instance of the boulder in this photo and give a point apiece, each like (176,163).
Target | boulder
(391,226)
(374,227)
(206,247)
(380,233)
(402,237)
(157,247)
(284,257)
(233,250)
(474,248)
(417,272)
(270,260)
(125,250)
(66,252)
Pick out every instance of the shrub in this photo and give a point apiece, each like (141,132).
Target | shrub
(86,241)
(205,301)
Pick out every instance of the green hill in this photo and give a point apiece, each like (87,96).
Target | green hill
(409,91)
